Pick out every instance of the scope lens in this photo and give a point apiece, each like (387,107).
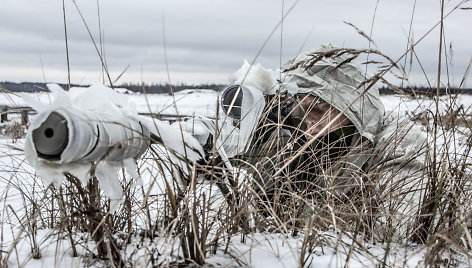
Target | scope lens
(232,100)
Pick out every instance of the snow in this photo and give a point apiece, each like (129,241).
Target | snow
(19,183)
(255,76)
(408,105)
(204,102)
(263,250)
(186,101)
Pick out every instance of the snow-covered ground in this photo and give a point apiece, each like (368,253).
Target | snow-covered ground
(19,188)
(204,102)
(189,102)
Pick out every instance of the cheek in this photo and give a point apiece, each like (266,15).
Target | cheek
(315,116)
(341,121)
(332,113)
(327,112)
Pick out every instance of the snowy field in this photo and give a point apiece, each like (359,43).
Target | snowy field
(189,102)
(204,102)
(23,231)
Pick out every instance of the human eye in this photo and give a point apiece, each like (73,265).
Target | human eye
(319,101)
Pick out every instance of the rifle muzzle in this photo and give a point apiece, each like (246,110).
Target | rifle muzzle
(70,135)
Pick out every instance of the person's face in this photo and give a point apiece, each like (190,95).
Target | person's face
(318,114)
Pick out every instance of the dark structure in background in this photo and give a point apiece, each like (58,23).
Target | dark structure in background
(166,88)
(150,89)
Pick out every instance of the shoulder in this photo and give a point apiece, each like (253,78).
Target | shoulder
(400,140)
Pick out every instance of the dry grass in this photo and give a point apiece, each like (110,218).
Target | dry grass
(178,218)
(14,130)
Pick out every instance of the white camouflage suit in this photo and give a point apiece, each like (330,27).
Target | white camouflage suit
(388,153)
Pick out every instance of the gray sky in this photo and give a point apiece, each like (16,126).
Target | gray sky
(207,40)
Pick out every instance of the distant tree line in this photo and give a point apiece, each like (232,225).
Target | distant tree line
(139,88)
(25,87)
(166,88)
(159,88)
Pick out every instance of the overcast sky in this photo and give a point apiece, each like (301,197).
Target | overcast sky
(207,40)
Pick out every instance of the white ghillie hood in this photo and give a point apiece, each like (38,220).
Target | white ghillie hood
(339,84)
